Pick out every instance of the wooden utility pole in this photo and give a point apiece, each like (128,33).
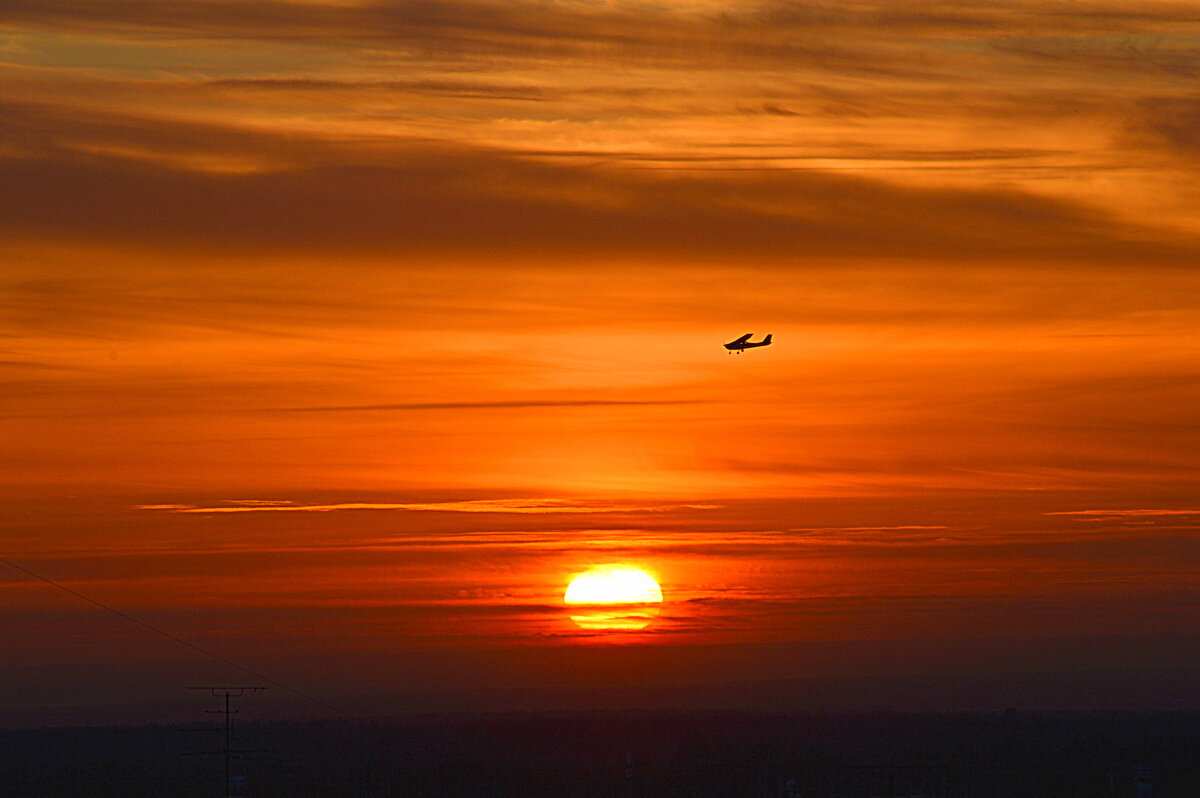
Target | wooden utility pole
(228,751)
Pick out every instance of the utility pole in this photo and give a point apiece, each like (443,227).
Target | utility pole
(228,752)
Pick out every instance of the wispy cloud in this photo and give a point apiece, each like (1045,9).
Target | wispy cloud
(532,506)
(499,405)
(1124,513)
(417,203)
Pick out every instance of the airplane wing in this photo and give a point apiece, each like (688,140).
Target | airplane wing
(743,339)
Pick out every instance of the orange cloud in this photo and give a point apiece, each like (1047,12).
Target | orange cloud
(473,506)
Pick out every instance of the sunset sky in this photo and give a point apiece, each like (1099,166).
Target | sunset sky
(336,336)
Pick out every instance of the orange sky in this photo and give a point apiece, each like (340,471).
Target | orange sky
(354,329)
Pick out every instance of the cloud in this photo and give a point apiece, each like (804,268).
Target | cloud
(429,86)
(480,32)
(1174,121)
(509,405)
(1125,513)
(33,364)
(1124,54)
(838,35)
(469,150)
(421,198)
(535,506)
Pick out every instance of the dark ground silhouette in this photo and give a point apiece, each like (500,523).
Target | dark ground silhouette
(688,755)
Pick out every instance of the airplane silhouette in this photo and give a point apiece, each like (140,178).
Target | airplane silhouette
(743,343)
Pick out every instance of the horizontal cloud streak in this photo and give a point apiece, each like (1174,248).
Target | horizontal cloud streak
(500,405)
(473,506)
(479,201)
(1126,513)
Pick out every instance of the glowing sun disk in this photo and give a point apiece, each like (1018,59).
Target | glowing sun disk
(613,584)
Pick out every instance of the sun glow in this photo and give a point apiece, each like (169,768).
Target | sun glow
(618,597)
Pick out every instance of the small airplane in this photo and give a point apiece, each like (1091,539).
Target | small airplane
(744,343)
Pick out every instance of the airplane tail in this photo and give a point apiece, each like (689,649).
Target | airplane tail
(767,340)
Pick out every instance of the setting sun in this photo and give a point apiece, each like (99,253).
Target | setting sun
(617,597)
(613,584)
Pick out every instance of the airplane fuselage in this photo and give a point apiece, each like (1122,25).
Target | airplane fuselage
(744,343)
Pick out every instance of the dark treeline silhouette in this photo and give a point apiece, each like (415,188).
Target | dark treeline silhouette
(630,755)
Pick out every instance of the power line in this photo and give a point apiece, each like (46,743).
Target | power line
(179,640)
